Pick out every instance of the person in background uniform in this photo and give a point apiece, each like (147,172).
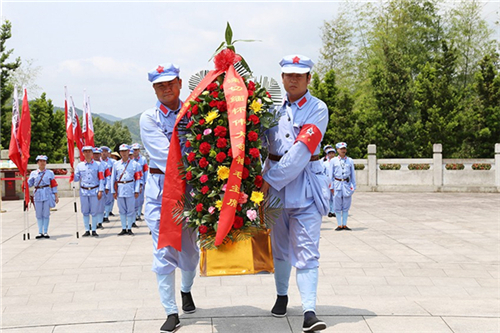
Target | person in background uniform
(330,154)
(126,179)
(103,167)
(290,173)
(108,196)
(91,180)
(45,194)
(144,165)
(344,184)
(157,125)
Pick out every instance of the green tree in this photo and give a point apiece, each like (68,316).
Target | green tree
(110,135)
(6,89)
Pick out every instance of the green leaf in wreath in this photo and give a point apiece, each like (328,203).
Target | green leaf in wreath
(229,34)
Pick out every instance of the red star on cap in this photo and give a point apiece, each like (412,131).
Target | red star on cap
(296,60)
(159,69)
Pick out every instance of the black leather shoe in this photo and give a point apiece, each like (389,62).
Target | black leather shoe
(330,214)
(279,308)
(123,232)
(94,234)
(339,228)
(334,215)
(39,236)
(99,226)
(137,218)
(187,303)
(111,214)
(86,234)
(346,228)
(105,219)
(171,323)
(134,225)
(129,232)
(46,236)
(312,323)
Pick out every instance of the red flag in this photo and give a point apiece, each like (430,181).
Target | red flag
(87,125)
(14,149)
(77,130)
(69,132)
(24,139)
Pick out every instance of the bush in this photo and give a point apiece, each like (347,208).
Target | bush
(481,166)
(390,166)
(359,166)
(414,166)
(454,166)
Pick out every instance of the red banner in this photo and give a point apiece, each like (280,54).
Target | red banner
(69,132)
(174,187)
(236,98)
(24,139)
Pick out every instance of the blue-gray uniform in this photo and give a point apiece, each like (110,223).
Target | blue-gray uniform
(128,179)
(91,180)
(103,167)
(328,167)
(108,197)
(344,184)
(45,188)
(157,125)
(140,200)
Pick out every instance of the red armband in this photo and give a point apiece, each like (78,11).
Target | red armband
(137,175)
(145,168)
(100,175)
(107,173)
(53,183)
(311,136)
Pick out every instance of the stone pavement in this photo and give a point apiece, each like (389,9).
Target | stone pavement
(414,262)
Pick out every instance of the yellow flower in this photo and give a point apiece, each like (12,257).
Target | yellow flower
(223,173)
(218,204)
(256,106)
(257,197)
(211,116)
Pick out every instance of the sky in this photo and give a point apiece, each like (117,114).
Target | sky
(107,48)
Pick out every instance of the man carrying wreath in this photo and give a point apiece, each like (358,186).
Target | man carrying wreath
(157,125)
(294,173)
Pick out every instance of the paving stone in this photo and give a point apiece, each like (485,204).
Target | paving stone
(473,325)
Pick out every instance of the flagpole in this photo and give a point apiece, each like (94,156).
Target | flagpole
(26,216)
(76,210)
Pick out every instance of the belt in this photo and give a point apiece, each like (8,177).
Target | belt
(342,180)
(156,171)
(276,158)
(89,188)
(37,187)
(125,181)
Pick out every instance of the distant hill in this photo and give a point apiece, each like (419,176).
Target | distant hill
(132,122)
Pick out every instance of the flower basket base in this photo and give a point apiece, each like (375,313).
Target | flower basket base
(249,256)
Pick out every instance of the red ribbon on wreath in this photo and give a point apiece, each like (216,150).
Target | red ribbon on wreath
(174,187)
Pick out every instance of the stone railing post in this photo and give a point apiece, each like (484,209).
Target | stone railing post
(437,160)
(497,164)
(372,166)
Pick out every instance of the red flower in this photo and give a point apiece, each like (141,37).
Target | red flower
(204,189)
(251,85)
(221,143)
(212,86)
(213,104)
(197,99)
(254,152)
(230,152)
(245,174)
(215,94)
(250,93)
(247,160)
(220,131)
(203,229)
(220,157)
(202,121)
(205,148)
(195,109)
(198,137)
(191,157)
(268,94)
(258,181)
(189,114)
(252,136)
(238,222)
(189,124)
(222,106)
(203,163)
(254,119)
(189,175)
(225,58)
(203,179)
(188,144)
(199,207)
(239,208)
